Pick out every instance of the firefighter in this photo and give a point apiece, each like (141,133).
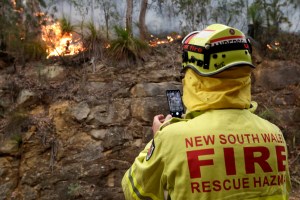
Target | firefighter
(220,149)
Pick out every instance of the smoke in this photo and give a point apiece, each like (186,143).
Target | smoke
(159,23)
(158,19)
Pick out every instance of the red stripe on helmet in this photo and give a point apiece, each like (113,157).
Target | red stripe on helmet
(189,38)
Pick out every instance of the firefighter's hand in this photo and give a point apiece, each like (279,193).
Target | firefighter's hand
(158,121)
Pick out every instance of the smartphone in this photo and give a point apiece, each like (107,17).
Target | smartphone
(175,103)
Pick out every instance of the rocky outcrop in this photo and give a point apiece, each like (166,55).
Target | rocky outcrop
(79,148)
(79,143)
(276,88)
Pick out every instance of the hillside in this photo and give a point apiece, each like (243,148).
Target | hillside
(71,132)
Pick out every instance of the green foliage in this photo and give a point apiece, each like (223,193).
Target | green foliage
(266,17)
(35,50)
(127,47)
(257,19)
(86,8)
(195,12)
(20,28)
(268,114)
(66,25)
(228,12)
(74,190)
(110,12)
(92,32)
(94,40)
(42,3)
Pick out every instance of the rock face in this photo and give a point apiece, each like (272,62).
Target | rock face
(274,75)
(79,145)
(276,87)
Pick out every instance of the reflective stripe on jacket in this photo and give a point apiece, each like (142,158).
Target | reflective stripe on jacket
(219,154)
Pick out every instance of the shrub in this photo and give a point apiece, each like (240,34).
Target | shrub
(94,40)
(269,115)
(127,47)
(35,50)
(66,26)
(74,190)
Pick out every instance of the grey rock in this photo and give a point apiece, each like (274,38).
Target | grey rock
(153,89)
(10,147)
(80,111)
(276,75)
(53,72)
(26,97)
(115,112)
(98,134)
(144,109)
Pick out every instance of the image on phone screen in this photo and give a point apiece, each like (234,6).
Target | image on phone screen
(175,103)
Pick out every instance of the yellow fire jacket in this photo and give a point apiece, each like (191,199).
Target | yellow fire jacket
(244,157)
(221,150)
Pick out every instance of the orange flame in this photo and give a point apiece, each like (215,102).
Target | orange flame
(274,46)
(58,43)
(14,3)
(156,41)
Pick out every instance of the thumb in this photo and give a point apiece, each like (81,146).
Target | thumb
(168,117)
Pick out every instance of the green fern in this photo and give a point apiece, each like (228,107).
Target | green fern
(93,33)
(66,25)
(125,46)
(94,40)
(255,13)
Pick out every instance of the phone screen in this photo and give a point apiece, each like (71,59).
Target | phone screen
(175,103)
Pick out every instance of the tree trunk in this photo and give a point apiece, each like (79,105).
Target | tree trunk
(106,24)
(129,16)
(92,12)
(142,18)
(264,3)
(106,10)
(2,33)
